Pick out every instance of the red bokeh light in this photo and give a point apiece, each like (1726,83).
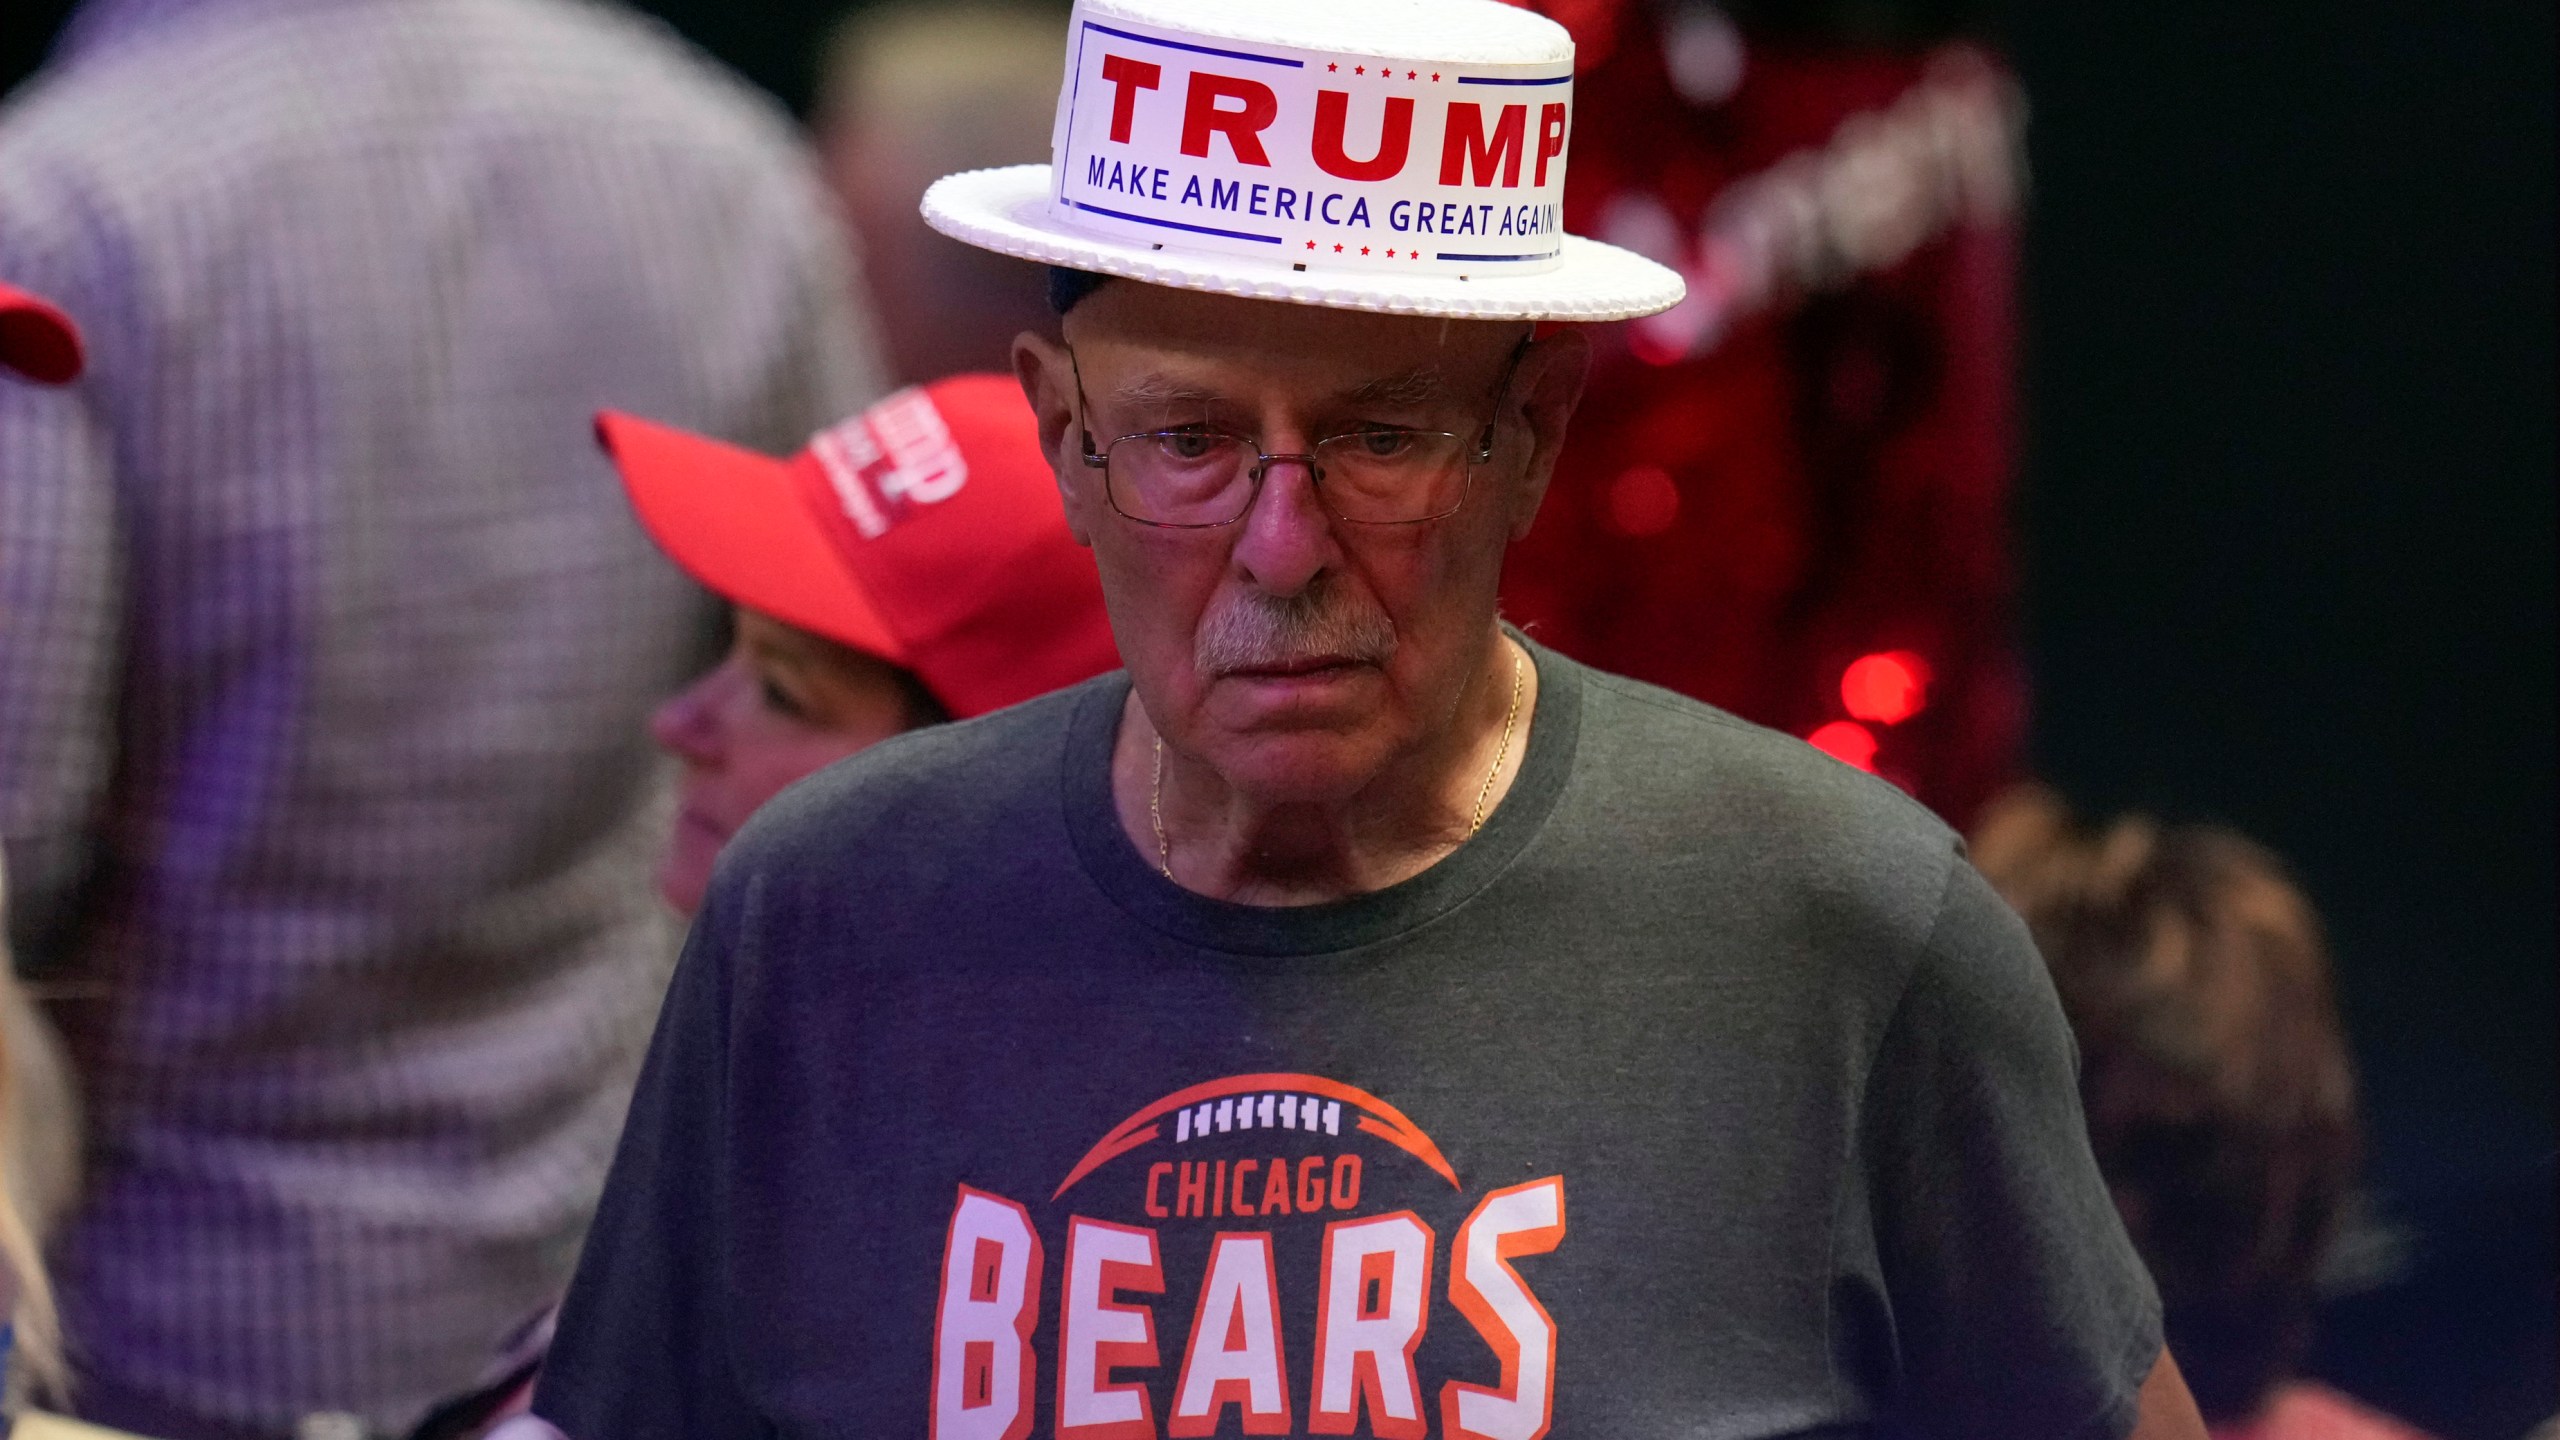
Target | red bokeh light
(1653,349)
(1847,742)
(1887,689)
(1643,501)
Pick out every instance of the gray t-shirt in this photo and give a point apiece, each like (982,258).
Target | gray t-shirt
(1706,1093)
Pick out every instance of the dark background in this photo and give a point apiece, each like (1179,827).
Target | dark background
(2288,532)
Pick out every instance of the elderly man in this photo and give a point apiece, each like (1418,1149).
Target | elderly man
(1353,1018)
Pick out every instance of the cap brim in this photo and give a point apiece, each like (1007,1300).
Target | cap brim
(739,522)
(37,340)
(1007,211)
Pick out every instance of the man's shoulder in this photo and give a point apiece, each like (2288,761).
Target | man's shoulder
(1691,784)
(937,790)
(1654,741)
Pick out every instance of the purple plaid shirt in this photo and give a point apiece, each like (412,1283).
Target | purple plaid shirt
(327,640)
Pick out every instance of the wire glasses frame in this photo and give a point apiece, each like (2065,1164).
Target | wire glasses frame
(1261,460)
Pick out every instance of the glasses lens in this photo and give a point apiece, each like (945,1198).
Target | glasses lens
(1181,477)
(1388,476)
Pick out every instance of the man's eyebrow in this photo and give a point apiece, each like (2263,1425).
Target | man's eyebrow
(1163,390)
(1406,387)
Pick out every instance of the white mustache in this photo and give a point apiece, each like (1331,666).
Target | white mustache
(1257,631)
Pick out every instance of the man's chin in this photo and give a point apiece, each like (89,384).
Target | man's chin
(1301,763)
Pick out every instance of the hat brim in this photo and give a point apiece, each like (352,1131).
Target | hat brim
(739,523)
(1007,211)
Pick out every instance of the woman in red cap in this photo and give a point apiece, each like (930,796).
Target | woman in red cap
(783,703)
(912,565)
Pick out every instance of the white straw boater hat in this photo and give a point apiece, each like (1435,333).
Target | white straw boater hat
(1395,155)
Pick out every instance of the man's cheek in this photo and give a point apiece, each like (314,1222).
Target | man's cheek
(1157,594)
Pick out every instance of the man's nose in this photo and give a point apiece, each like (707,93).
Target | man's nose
(1287,538)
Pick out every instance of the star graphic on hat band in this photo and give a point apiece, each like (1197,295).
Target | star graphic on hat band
(1359,69)
(1364,249)
(1333,67)
(1409,75)
(1435,74)
(1337,249)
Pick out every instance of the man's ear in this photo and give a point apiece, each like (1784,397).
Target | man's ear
(1552,372)
(1047,379)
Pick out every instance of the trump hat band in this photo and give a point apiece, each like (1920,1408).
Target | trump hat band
(1395,155)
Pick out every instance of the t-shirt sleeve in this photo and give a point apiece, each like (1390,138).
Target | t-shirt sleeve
(643,1347)
(2018,1305)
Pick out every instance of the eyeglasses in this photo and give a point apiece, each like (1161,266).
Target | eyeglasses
(1199,477)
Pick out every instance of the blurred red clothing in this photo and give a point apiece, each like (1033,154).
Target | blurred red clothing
(2311,1412)
(1812,462)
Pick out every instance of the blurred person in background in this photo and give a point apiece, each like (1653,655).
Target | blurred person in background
(913,91)
(2215,1077)
(911,566)
(39,1120)
(329,649)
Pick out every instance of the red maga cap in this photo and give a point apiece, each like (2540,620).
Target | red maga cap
(925,530)
(37,340)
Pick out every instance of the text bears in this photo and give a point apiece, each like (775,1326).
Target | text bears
(1370,1298)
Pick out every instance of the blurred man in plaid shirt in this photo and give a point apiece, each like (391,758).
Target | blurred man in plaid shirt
(329,645)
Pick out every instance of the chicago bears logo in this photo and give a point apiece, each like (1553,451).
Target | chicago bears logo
(1283,1214)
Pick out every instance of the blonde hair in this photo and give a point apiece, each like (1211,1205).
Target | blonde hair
(39,1169)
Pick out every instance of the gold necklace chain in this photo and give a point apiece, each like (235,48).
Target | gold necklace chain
(1502,752)
(1155,813)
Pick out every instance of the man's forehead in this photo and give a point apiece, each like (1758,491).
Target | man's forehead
(1176,379)
(1155,344)
(1193,317)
